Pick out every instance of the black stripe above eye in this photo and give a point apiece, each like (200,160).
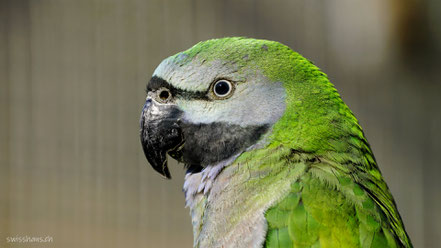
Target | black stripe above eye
(156,83)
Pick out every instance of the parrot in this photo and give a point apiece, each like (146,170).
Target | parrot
(273,156)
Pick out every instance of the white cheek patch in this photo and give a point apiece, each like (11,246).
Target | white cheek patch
(255,101)
(252,103)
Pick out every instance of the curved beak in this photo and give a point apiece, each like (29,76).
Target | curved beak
(160,133)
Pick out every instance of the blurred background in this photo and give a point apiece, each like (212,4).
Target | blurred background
(72,81)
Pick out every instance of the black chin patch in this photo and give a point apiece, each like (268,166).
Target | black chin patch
(208,144)
(194,168)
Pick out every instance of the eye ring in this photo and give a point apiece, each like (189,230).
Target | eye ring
(222,89)
(163,95)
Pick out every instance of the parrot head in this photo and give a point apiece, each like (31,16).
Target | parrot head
(209,104)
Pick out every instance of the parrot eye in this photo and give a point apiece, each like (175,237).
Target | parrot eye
(163,95)
(222,88)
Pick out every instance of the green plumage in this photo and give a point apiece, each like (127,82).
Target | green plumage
(316,215)
(342,199)
(331,192)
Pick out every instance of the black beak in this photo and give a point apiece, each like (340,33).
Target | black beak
(160,133)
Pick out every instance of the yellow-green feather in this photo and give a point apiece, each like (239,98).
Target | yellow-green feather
(317,214)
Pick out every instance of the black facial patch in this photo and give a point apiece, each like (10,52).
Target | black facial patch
(208,144)
(156,83)
(195,145)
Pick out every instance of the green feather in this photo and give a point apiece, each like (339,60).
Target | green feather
(338,197)
(321,214)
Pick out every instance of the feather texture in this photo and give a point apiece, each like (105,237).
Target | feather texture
(317,214)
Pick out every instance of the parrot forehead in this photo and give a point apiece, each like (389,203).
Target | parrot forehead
(196,76)
(232,58)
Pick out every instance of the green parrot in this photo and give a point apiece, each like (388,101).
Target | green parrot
(274,157)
